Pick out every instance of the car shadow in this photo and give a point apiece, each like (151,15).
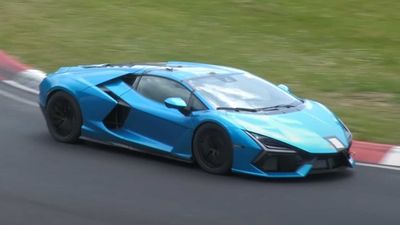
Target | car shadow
(323,177)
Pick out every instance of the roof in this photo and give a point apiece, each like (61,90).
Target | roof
(174,69)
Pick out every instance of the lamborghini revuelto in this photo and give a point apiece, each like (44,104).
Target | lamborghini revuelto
(222,118)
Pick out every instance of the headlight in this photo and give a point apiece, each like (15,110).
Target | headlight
(336,143)
(270,144)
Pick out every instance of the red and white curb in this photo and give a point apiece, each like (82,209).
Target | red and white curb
(20,76)
(379,154)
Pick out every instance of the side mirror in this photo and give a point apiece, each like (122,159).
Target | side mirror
(284,88)
(177,103)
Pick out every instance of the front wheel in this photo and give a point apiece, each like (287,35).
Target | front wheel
(63,117)
(212,149)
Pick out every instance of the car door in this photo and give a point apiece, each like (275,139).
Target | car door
(161,128)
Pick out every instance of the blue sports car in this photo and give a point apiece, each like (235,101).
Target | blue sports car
(222,118)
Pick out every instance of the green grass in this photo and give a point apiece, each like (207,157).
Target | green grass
(344,53)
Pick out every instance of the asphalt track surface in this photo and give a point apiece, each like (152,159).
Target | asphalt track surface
(45,182)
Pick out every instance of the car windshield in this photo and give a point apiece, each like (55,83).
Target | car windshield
(241,91)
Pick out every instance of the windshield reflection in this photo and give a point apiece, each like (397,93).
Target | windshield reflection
(240,91)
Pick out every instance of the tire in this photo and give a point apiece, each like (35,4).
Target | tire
(63,117)
(212,149)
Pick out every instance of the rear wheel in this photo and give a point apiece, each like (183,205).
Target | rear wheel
(63,117)
(212,149)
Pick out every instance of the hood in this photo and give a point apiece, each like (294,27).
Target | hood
(306,129)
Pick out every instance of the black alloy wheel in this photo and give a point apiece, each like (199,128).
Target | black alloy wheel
(63,117)
(212,149)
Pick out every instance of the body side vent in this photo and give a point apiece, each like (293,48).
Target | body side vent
(117,117)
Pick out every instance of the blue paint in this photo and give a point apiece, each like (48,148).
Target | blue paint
(162,127)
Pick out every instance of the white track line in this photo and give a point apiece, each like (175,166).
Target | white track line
(20,86)
(378,166)
(17,98)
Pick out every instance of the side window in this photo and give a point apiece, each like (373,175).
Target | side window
(159,89)
(196,104)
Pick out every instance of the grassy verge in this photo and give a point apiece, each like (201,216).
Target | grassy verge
(344,53)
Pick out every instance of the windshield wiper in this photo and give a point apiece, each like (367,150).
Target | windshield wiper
(276,107)
(237,109)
